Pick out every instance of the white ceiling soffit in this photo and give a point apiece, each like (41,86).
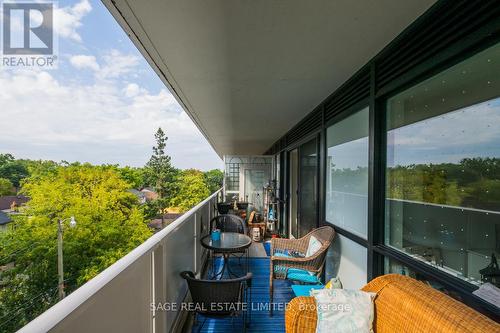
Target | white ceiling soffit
(248,71)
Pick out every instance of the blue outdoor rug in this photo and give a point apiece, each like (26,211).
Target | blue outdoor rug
(267,247)
(261,321)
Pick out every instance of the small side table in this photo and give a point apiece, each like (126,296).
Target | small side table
(229,242)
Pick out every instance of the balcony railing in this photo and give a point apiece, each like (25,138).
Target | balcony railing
(120,298)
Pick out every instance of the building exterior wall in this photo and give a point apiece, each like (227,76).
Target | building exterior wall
(437,41)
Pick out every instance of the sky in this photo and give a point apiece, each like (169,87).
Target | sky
(101,105)
(465,133)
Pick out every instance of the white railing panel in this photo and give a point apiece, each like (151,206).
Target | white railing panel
(123,305)
(159,289)
(179,247)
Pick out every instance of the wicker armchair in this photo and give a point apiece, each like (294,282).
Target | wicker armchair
(313,263)
(220,298)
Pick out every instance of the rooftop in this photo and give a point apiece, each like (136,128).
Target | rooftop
(4,218)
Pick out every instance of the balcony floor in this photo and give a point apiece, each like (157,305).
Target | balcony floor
(261,321)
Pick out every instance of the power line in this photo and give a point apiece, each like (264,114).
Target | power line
(27,305)
(20,305)
(31,246)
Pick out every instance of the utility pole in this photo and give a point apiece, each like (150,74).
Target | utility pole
(60,269)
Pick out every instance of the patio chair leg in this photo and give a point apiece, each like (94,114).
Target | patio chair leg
(250,304)
(201,326)
(271,296)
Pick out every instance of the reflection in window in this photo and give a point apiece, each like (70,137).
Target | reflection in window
(394,267)
(443,169)
(347,173)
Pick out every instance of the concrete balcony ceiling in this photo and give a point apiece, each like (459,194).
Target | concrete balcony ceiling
(247,71)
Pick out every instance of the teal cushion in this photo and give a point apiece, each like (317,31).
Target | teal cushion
(283,255)
(305,290)
(302,276)
(289,254)
(297,274)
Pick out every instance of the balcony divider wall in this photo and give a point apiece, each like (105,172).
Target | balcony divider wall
(447,34)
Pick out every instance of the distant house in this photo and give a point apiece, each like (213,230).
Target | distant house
(140,195)
(144,195)
(149,193)
(158,223)
(10,203)
(4,220)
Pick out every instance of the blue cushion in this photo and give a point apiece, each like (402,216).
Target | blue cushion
(283,255)
(289,254)
(304,290)
(302,276)
(297,274)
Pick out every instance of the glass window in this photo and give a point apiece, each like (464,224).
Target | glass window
(347,260)
(443,169)
(347,173)
(233,177)
(395,267)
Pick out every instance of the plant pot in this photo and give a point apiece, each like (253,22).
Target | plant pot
(223,207)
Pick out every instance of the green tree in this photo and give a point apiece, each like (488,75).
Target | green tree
(133,176)
(109,225)
(192,190)
(424,183)
(6,187)
(40,168)
(159,171)
(13,170)
(153,209)
(6,158)
(484,194)
(214,179)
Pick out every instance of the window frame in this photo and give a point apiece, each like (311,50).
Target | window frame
(378,193)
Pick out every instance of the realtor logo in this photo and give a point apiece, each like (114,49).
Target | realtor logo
(28,34)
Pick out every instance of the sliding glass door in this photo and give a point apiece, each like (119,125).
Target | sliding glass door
(293,172)
(308,187)
(303,188)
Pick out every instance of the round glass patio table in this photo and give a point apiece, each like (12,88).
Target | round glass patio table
(229,243)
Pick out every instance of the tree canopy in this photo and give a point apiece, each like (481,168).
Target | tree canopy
(159,171)
(109,225)
(12,169)
(110,222)
(6,187)
(214,179)
(192,189)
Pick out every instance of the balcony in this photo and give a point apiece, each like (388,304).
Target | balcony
(254,82)
(119,299)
